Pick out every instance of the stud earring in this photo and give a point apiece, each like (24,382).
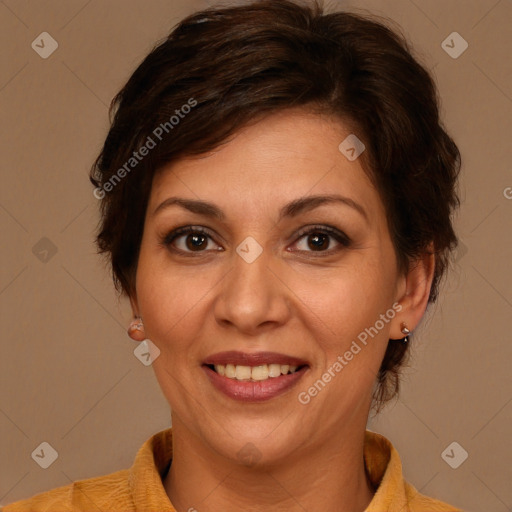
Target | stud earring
(405,331)
(136,329)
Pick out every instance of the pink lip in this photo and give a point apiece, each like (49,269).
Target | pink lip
(257,391)
(256,359)
(253,391)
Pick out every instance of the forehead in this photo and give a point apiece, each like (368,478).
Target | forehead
(284,156)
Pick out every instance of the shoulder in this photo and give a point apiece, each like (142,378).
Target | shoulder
(107,493)
(420,503)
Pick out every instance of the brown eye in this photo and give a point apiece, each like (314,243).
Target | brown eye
(196,242)
(321,239)
(318,242)
(190,239)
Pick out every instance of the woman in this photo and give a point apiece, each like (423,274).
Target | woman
(276,191)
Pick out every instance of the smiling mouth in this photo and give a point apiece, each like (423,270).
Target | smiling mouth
(254,373)
(254,377)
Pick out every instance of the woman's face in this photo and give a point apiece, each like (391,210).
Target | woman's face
(272,273)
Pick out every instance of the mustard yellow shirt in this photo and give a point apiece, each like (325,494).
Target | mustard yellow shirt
(140,488)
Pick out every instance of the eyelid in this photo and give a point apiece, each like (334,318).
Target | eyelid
(182,230)
(313,228)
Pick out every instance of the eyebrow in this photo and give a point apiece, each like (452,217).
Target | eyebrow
(292,209)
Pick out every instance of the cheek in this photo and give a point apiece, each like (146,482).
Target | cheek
(346,300)
(170,300)
(172,303)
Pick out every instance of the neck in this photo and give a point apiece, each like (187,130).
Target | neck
(328,478)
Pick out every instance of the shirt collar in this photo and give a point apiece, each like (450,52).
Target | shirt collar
(384,469)
(145,479)
(382,464)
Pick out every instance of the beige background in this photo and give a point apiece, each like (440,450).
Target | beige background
(68,375)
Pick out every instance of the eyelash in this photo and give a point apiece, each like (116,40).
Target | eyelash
(339,236)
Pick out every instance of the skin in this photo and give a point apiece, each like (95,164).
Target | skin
(292,299)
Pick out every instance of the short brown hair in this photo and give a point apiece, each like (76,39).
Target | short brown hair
(234,65)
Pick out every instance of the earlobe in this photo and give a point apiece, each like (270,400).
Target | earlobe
(414,300)
(136,328)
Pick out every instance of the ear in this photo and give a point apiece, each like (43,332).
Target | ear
(414,293)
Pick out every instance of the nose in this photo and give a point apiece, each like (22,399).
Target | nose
(253,297)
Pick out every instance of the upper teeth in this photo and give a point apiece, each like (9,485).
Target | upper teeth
(262,372)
